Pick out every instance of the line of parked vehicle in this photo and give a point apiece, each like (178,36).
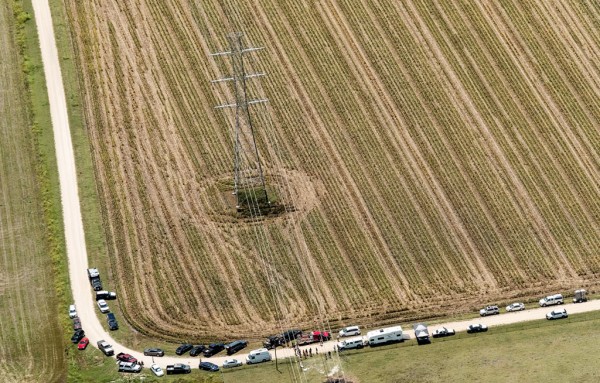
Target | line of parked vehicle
(295,337)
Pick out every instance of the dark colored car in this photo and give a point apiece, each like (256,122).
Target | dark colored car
(476,328)
(443,332)
(213,348)
(274,341)
(126,358)
(77,336)
(291,335)
(112,321)
(236,346)
(184,348)
(178,368)
(197,350)
(154,352)
(76,324)
(96,284)
(107,295)
(208,366)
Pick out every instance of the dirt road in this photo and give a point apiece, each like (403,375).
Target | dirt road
(75,240)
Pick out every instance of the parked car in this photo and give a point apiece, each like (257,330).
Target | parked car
(213,348)
(515,307)
(155,368)
(197,350)
(93,273)
(96,284)
(351,343)
(112,321)
(154,352)
(107,295)
(77,336)
(580,296)
(129,367)
(489,310)
(72,312)
(291,335)
(103,306)
(443,332)
(349,331)
(556,299)
(76,323)
(274,341)
(208,366)
(178,368)
(258,356)
(230,363)
(421,333)
(557,314)
(236,346)
(184,348)
(82,345)
(476,328)
(126,357)
(105,347)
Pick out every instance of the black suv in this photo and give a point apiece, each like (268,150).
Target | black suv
(184,348)
(291,335)
(213,349)
(197,350)
(178,368)
(96,283)
(236,346)
(112,321)
(77,336)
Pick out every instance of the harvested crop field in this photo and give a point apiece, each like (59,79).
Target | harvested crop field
(436,155)
(31,341)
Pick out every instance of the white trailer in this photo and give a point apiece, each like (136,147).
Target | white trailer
(385,336)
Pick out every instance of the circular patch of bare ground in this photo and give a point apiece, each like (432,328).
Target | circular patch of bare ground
(292,194)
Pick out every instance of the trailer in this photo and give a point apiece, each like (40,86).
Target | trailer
(385,336)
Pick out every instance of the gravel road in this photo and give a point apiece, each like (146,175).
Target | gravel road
(75,239)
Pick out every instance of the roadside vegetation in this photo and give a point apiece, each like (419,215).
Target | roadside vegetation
(33,282)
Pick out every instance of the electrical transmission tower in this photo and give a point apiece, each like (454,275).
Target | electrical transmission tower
(248,178)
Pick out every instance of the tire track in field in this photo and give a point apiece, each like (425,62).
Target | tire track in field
(523,114)
(495,151)
(498,19)
(411,150)
(374,87)
(312,114)
(445,73)
(574,146)
(536,214)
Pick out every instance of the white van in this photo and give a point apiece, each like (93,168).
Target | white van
(258,356)
(349,331)
(556,299)
(385,336)
(351,343)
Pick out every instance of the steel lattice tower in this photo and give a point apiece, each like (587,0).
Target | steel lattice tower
(247,167)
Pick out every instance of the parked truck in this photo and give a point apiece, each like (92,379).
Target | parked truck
(580,296)
(421,333)
(313,337)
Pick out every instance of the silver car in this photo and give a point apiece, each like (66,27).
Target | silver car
(103,306)
(229,363)
(515,307)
